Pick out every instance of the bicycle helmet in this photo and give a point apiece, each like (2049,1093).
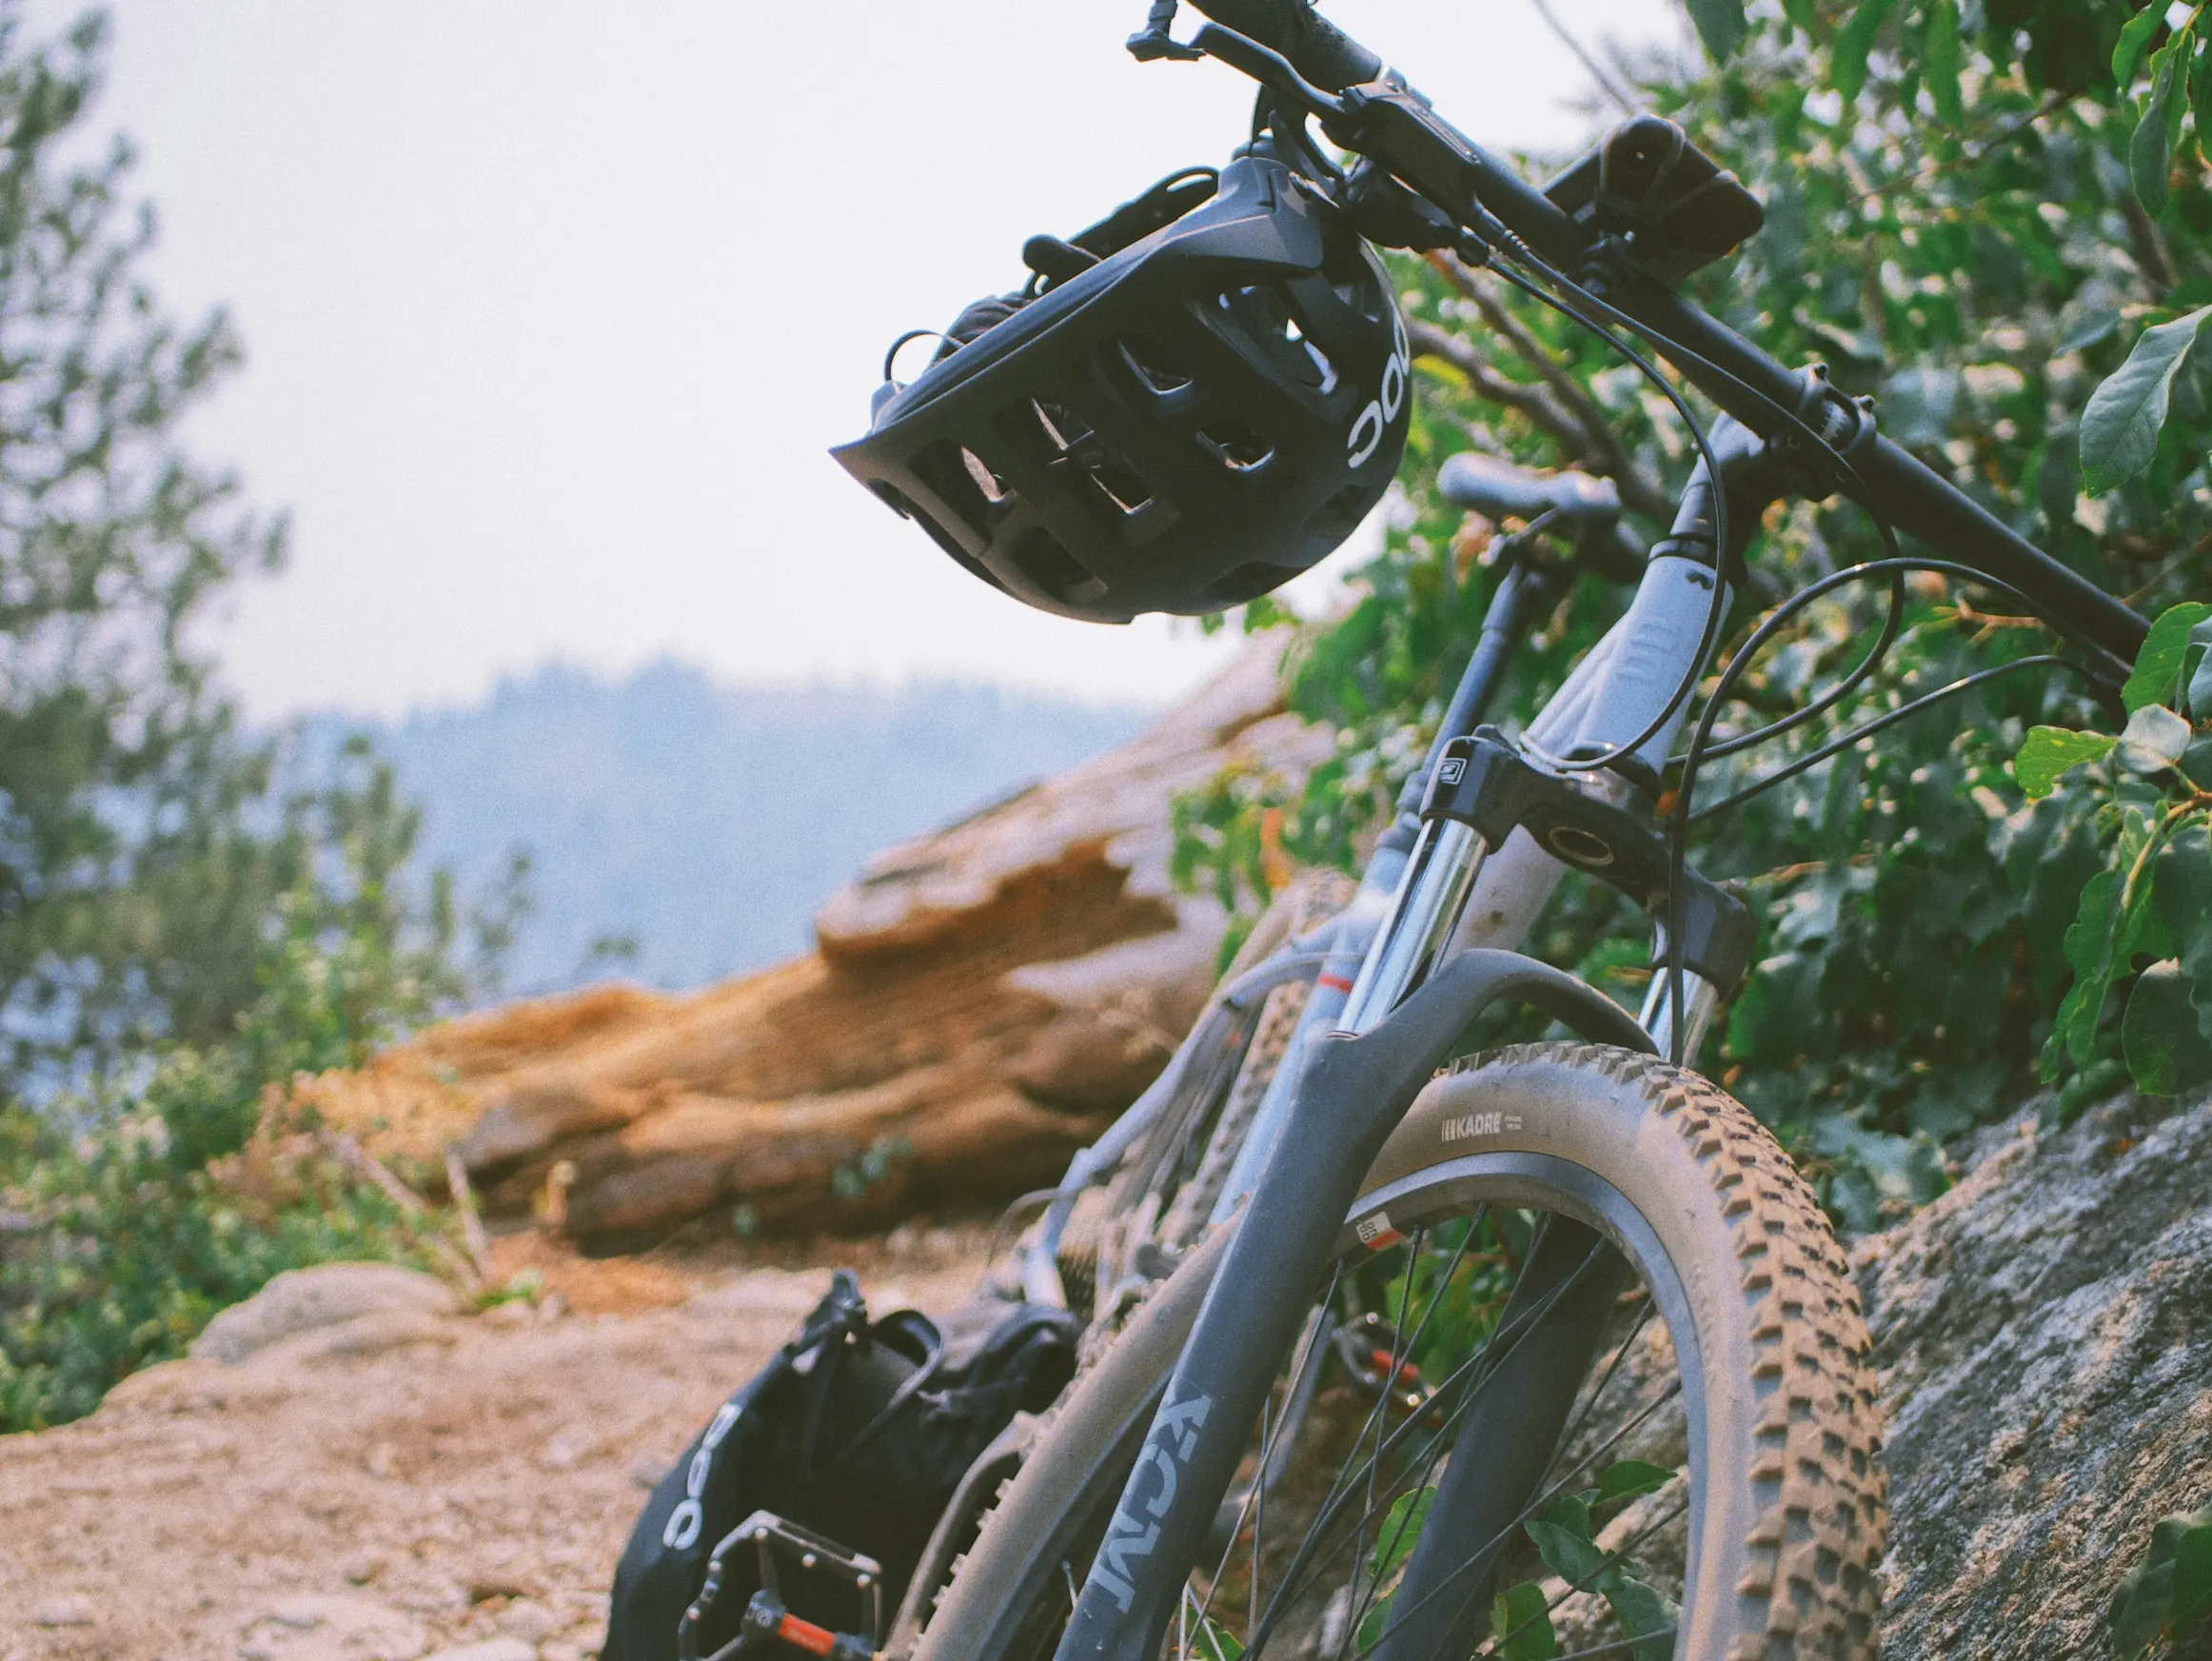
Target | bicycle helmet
(1180,423)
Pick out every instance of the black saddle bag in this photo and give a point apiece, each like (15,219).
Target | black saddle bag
(856,1430)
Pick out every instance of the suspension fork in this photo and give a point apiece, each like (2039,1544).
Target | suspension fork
(1506,1443)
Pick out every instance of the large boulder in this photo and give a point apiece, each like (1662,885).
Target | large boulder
(982,1001)
(324,1295)
(2044,1336)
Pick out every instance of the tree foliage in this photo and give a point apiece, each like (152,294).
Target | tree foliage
(180,938)
(135,880)
(130,1218)
(1954,226)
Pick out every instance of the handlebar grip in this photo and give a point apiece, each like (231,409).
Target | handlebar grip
(1317,47)
(1499,489)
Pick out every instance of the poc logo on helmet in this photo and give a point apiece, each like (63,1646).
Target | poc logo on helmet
(1367,430)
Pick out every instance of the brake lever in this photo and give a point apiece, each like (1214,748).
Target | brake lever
(1153,43)
(1271,69)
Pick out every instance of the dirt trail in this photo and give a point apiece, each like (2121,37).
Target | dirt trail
(377,1500)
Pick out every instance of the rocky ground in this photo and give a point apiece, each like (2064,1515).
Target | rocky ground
(405,1483)
(413,1484)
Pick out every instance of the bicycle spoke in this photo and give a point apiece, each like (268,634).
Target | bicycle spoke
(1435,1443)
(1618,1647)
(1333,1498)
(1311,1359)
(1259,1508)
(1331,1510)
(1590,1404)
(1401,1347)
(1613,1557)
(1528,1511)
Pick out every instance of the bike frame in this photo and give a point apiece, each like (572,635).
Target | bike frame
(1407,966)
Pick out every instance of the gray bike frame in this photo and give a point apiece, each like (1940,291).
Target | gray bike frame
(1424,930)
(1429,894)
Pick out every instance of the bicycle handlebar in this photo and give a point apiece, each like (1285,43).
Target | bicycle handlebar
(1500,490)
(1317,47)
(1457,175)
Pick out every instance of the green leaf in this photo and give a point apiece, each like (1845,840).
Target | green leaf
(2192,1570)
(1940,60)
(1720,23)
(1854,43)
(2119,429)
(2154,739)
(2182,51)
(2171,1589)
(1573,1558)
(2196,676)
(2049,752)
(1522,1624)
(2088,950)
(1645,1613)
(2114,917)
(1401,1531)
(2165,1052)
(2158,663)
(2150,152)
(2200,95)
(1627,1478)
(2183,881)
(2086,330)
(2133,39)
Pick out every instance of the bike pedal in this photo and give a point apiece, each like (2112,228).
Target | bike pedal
(768,1626)
(768,1622)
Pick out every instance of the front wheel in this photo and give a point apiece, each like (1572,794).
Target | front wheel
(1588,1377)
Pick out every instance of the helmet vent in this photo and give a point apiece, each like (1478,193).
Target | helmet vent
(963,482)
(1042,557)
(1319,359)
(1157,368)
(1118,481)
(1075,446)
(1237,447)
(992,486)
(1063,430)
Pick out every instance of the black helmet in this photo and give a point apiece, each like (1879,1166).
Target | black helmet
(1180,423)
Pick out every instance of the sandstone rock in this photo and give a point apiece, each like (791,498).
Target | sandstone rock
(530,1620)
(365,1334)
(325,1295)
(68,1608)
(983,1000)
(174,1386)
(312,1627)
(2044,1336)
(500,1649)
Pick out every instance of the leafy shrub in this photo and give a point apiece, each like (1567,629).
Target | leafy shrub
(130,1218)
(2151,788)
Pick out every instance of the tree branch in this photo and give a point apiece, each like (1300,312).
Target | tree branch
(1598,72)
(1595,445)
(1428,341)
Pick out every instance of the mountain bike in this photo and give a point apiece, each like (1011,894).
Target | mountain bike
(1399,1352)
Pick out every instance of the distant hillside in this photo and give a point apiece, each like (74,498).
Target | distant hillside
(707,821)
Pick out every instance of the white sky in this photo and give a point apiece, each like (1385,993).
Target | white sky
(553,308)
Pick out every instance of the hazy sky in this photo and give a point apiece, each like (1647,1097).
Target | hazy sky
(552,308)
